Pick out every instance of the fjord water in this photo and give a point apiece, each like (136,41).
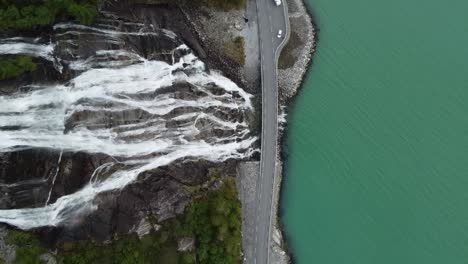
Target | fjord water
(377,167)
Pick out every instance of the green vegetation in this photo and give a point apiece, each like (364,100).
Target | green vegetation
(159,247)
(225,4)
(213,175)
(218,4)
(11,68)
(213,220)
(155,2)
(152,248)
(254,118)
(23,15)
(235,50)
(287,57)
(28,247)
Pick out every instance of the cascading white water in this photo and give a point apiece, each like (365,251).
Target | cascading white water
(102,95)
(26,46)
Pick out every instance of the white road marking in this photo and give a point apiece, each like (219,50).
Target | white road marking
(265,11)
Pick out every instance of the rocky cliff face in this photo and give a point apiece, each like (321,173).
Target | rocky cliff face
(116,121)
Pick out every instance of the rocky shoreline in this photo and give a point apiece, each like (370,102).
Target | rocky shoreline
(300,47)
(291,74)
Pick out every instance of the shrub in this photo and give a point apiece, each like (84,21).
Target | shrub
(33,14)
(215,222)
(28,247)
(85,14)
(226,4)
(11,68)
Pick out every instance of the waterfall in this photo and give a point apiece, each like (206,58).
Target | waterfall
(118,104)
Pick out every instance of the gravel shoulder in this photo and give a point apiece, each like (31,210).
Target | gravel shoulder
(248,173)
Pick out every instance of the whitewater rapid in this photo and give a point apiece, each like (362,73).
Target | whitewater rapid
(116,105)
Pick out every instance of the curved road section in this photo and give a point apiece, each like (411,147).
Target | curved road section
(271,19)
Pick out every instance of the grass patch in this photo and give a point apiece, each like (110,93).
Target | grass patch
(287,57)
(225,4)
(20,64)
(28,247)
(234,50)
(154,2)
(193,189)
(28,14)
(169,255)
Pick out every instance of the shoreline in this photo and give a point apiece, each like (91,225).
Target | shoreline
(289,94)
(286,102)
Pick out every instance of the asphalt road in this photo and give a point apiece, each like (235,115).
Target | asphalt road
(271,18)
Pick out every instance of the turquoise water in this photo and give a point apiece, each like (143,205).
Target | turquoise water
(377,170)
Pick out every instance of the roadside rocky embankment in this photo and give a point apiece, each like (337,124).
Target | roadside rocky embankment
(218,29)
(297,54)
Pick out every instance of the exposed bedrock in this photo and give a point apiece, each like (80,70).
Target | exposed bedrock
(125,119)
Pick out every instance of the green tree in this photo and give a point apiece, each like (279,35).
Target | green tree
(33,14)
(28,247)
(214,220)
(11,68)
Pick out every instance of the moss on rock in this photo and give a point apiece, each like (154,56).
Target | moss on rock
(235,50)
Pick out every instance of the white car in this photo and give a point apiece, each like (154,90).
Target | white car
(278,2)
(280,33)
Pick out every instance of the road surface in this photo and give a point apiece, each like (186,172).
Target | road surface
(271,18)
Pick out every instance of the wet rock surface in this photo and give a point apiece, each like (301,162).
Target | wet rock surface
(217,27)
(186,244)
(41,171)
(26,175)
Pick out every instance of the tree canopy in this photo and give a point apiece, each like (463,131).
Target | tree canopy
(11,68)
(23,15)
(215,222)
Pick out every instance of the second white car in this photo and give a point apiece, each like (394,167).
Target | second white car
(280,33)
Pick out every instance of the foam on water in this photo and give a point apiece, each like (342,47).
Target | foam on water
(38,50)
